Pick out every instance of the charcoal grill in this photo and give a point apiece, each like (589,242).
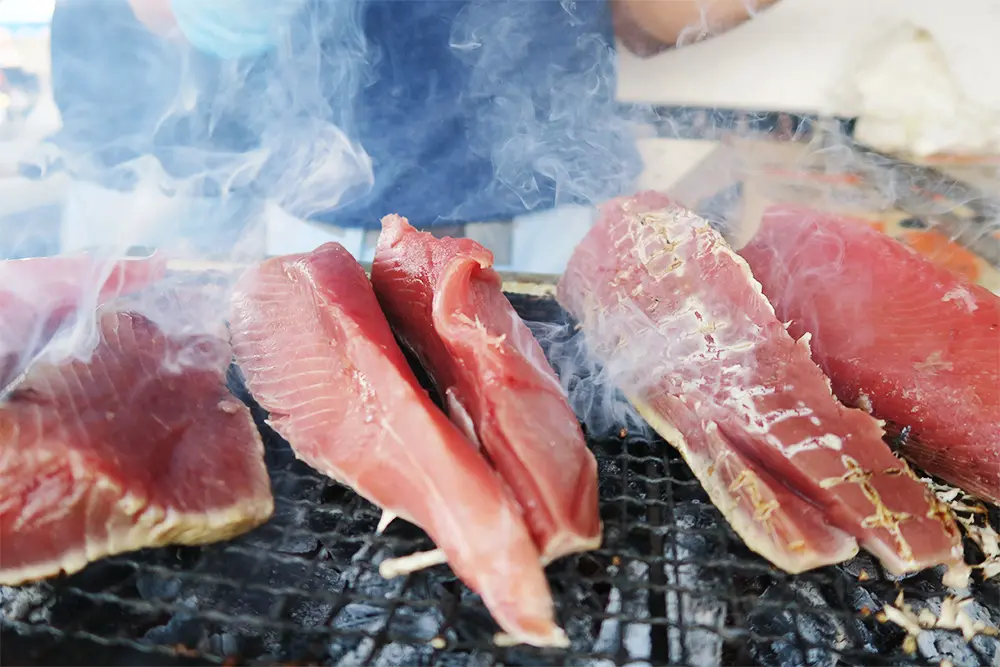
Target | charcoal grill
(671,585)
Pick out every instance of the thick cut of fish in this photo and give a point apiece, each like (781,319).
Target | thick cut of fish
(125,451)
(319,355)
(915,342)
(38,294)
(445,301)
(685,330)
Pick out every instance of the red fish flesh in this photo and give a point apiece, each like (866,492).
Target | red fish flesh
(686,332)
(915,342)
(318,354)
(447,304)
(36,296)
(123,452)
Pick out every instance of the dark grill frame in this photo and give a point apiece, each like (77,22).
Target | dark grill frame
(305,588)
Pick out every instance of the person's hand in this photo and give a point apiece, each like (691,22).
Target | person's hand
(647,27)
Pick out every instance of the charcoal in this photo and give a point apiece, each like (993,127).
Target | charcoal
(28,603)
(462,659)
(698,604)
(183,628)
(394,655)
(578,603)
(939,645)
(811,638)
(305,588)
(224,644)
(153,586)
(473,623)
(284,532)
(359,654)
(298,544)
(360,617)
(417,625)
(630,640)
(861,567)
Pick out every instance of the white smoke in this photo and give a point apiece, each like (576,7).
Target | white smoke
(172,149)
(553,128)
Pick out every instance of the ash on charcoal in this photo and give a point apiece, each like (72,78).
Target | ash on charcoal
(183,628)
(284,532)
(949,644)
(578,599)
(696,603)
(628,641)
(359,654)
(394,655)
(409,625)
(223,644)
(862,567)
(256,597)
(30,603)
(812,638)
(458,659)
(153,587)
(416,625)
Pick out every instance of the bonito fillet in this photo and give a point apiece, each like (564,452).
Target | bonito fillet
(684,329)
(443,298)
(125,451)
(37,295)
(915,342)
(318,354)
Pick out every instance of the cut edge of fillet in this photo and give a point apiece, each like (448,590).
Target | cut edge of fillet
(722,500)
(156,526)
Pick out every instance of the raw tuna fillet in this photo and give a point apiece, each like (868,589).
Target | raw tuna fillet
(125,451)
(37,295)
(318,354)
(446,303)
(683,327)
(915,342)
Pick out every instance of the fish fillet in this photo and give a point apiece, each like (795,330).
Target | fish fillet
(684,329)
(917,343)
(318,354)
(38,294)
(123,452)
(445,301)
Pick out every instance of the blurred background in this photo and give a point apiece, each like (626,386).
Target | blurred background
(888,111)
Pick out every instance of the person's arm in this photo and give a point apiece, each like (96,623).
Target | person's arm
(647,27)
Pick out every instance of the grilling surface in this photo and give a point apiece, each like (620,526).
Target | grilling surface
(671,585)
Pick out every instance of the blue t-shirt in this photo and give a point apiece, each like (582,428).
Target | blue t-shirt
(445,111)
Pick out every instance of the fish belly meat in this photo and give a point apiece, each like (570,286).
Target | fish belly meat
(124,451)
(445,301)
(38,294)
(915,343)
(683,329)
(319,356)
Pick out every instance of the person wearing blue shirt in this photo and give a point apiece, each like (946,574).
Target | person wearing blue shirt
(446,111)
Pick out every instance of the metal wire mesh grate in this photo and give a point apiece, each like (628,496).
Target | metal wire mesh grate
(672,584)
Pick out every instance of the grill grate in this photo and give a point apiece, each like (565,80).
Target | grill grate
(671,585)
